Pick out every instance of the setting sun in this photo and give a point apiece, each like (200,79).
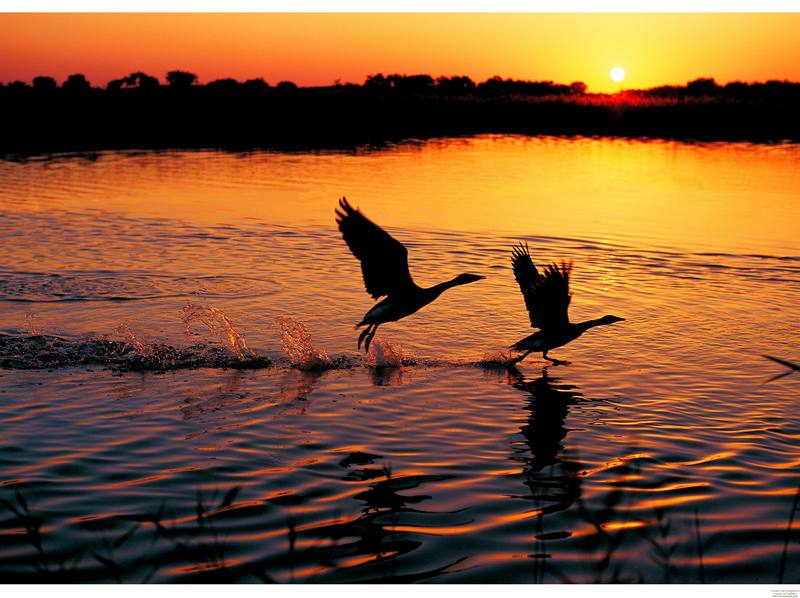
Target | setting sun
(617,74)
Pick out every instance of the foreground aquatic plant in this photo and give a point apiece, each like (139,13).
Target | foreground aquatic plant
(793,367)
(194,548)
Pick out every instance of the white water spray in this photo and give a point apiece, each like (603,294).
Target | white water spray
(296,342)
(219,325)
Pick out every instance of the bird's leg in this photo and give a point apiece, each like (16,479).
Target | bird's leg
(369,337)
(364,334)
(512,362)
(554,361)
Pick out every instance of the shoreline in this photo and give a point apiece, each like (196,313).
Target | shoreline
(310,119)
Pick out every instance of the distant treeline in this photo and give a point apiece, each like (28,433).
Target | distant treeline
(139,111)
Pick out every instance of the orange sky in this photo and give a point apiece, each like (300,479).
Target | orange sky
(317,49)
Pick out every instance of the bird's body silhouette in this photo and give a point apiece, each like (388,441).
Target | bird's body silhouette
(384,264)
(547,299)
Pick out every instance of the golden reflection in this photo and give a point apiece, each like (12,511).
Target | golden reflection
(662,503)
(617,525)
(650,193)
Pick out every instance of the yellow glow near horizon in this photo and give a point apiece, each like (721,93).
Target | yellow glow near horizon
(318,48)
(617,74)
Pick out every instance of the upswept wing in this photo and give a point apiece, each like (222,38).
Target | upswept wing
(384,260)
(547,293)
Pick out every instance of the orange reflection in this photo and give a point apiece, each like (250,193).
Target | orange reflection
(648,194)
(615,525)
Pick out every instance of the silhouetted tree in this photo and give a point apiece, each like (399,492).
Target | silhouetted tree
(702,87)
(737,88)
(455,85)
(181,79)
(286,86)
(223,84)
(577,88)
(376,83)
(255,84)
(76,83)
(44,84)
(411,83)
(147,81)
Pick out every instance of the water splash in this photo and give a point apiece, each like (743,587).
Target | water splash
(499,358)
(22,352)
(383,354)
(130,339)
(220,325)
(31,324)
(124,349)
(296,342)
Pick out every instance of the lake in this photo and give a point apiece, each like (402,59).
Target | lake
(661,453)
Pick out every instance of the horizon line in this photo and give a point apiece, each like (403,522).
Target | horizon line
(162,80)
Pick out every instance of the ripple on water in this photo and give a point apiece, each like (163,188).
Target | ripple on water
(45,287)
(660,454)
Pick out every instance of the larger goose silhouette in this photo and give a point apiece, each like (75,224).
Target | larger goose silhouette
(384,264)
(547,299)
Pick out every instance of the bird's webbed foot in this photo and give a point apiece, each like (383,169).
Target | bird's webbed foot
(512,363)
(556,361)
(363,335)
(366,336)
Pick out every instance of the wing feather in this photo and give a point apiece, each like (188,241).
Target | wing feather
(384,259)
(547,293)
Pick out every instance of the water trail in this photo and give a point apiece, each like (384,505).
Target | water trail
(296,342)
(122,349)
(218,324)
(383,354)
(498,358)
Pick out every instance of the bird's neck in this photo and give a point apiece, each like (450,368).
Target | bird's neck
(584,326)
(440,288)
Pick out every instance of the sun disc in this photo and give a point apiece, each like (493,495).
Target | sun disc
(617,74)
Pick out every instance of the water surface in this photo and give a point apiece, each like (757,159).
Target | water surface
(659,454)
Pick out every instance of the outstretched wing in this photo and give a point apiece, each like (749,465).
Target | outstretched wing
(547,294)
(384,259)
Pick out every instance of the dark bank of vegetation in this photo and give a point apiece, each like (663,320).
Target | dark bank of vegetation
(139,111)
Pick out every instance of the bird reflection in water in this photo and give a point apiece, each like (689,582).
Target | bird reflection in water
(296,385)
(551,472)
(387,376)
(369,539)
(548,407)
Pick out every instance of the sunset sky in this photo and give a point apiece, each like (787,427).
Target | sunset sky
(317,49)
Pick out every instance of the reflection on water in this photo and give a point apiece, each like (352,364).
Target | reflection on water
(659,454)
(548,404)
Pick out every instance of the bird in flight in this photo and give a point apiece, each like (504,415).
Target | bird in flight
(547,299)
(384,264)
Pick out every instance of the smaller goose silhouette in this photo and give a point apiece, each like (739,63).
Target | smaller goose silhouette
(547,299)
(384,264)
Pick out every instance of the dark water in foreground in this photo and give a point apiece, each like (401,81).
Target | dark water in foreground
(152,425)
